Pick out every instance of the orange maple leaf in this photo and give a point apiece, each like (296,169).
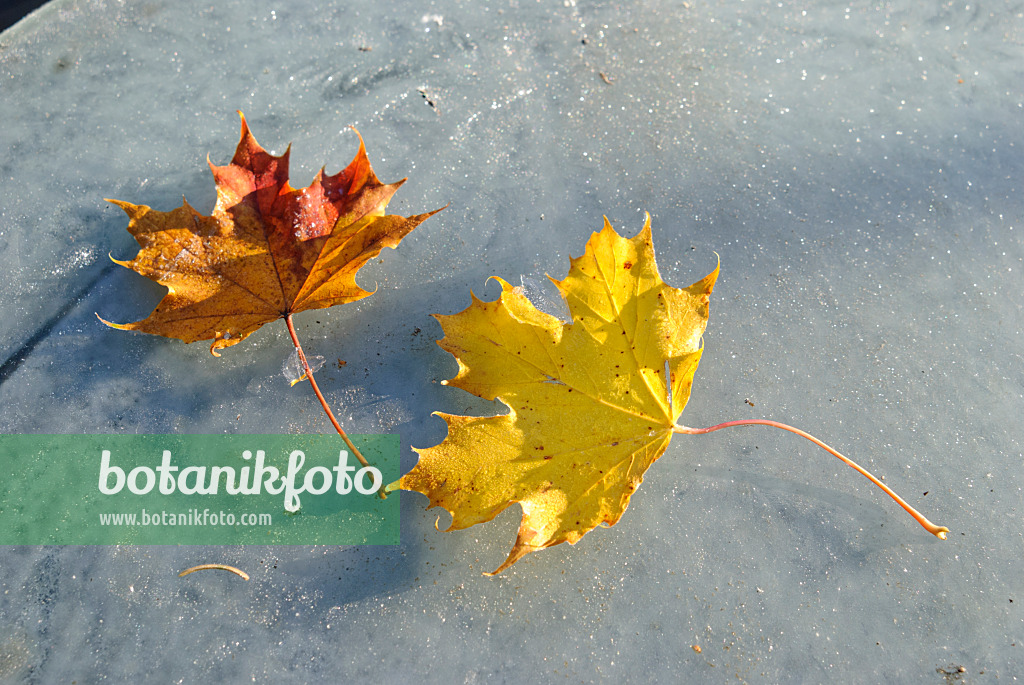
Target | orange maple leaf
(267,251)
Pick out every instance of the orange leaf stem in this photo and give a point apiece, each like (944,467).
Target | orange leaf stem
(937,531)
(323,403)
(215,567)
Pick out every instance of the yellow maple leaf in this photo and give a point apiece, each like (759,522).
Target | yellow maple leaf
(590,405)
(267,251)
(593,402)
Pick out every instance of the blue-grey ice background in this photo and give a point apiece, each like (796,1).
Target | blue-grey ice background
(857,166)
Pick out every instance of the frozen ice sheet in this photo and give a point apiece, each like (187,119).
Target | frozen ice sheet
(856,166)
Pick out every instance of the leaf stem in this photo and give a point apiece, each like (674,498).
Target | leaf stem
(216,567)
(937,531)
(323,403)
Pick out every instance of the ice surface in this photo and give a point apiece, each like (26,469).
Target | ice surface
(293,370)
(857,167)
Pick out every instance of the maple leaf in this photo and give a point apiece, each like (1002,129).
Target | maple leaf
(267,251)
(593,402)
(590,404)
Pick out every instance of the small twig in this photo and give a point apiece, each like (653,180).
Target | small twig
(937,531)
(430,101)
(215,567)
(323,402)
